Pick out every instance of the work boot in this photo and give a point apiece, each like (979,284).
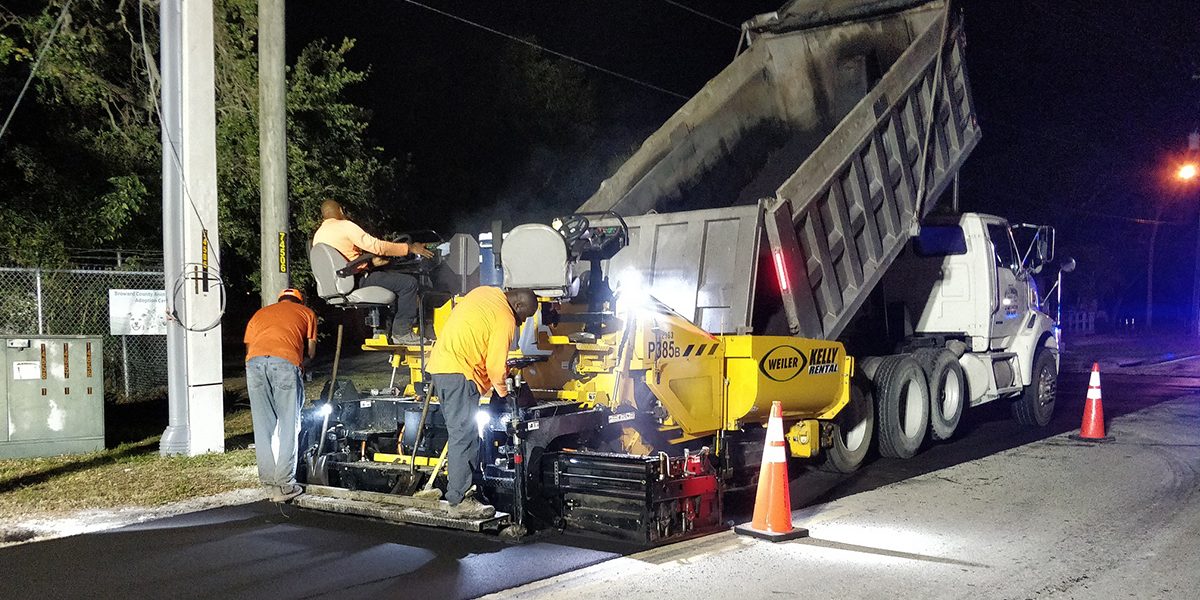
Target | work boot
(284,493)
(410,339)
(471,508)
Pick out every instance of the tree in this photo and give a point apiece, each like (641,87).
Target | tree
(81,165)
(329,155)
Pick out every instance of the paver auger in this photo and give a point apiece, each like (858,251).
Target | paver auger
(625,418)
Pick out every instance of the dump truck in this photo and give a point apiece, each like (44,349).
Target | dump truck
(779,225)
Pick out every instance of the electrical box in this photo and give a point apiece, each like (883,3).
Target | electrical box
(52,395)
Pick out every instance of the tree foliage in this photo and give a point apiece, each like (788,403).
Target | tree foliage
(80,167)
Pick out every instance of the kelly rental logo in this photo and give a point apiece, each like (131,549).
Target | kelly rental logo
(823,360)
(784,363)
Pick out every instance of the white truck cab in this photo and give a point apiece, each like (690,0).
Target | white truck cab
(966,279)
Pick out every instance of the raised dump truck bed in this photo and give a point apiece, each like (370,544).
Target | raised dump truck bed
(823,122)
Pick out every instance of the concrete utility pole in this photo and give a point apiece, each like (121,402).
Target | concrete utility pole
(272,150)
(190,243)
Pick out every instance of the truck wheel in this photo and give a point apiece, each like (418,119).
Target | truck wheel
(852,431)
(947,390)
(1035,407)
(901,405)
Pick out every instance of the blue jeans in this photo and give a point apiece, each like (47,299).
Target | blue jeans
(276,395)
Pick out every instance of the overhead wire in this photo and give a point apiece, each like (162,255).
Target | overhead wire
(183,277)
(175,155)
(703,15)
(1082,17)
(561,55)
(1136,38)
(36,63)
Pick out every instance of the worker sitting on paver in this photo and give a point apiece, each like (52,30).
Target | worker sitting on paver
(278,338)
(351,241)
(467,361)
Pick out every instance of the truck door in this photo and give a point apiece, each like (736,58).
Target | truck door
(1010,304)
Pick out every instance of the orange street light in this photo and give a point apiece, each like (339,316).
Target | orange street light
(1187,172)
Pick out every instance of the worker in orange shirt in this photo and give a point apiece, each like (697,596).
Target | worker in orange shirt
(468,361)
(279,339)
(351,241)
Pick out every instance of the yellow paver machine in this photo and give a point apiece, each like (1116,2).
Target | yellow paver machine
(626,418)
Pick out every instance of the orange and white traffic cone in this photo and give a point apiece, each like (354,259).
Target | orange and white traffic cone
(1092,428)
(773,504)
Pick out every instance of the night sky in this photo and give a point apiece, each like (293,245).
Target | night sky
(1084,110)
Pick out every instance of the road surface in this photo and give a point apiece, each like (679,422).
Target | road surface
(1041,512)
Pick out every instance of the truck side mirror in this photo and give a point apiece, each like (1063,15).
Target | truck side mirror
(1045,244)
(1067,265)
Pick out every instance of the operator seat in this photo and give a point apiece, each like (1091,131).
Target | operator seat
(341,291)
(535,256)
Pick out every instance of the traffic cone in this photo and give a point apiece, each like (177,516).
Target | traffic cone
(1092,428)
(773,504)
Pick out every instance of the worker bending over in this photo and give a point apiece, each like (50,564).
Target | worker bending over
(278,338)
(351,241)
(467,361)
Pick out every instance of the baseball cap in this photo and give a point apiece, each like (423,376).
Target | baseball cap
(292,293)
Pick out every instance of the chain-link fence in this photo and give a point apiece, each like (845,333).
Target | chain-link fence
(75,302)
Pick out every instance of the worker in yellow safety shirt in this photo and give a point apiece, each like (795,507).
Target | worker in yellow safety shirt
(468,361)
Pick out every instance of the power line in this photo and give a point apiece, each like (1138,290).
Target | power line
(549,51)
(41,54)
(178,160)
(703,16)
(1086,18)
(1083,211)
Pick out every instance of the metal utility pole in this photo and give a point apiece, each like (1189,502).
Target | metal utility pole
(272,150)
(191,262)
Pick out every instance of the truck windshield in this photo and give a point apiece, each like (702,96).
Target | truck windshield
(940,240)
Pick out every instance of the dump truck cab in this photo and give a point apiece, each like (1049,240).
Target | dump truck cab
(966,278)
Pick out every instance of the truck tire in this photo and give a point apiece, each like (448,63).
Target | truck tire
(947,390)
(852,431)
(1035,407)
(901,406)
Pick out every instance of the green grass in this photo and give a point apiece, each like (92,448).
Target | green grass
(131,474)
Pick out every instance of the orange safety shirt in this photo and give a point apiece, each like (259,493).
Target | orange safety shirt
(352,241)
(281,330)
(475,339)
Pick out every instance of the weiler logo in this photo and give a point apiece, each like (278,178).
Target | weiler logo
(783,363)
(822,361)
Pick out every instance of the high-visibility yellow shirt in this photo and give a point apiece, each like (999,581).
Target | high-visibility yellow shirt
(475,340)
(352,241)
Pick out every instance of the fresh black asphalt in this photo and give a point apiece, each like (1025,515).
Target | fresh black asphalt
(261,550)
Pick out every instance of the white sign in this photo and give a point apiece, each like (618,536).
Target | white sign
(137,312)
(27,369)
